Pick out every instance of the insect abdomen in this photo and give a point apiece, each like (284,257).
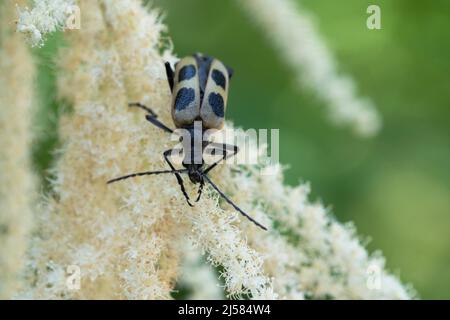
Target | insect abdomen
(186,93)
(212,111)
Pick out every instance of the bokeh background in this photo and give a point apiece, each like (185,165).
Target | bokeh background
(396,186)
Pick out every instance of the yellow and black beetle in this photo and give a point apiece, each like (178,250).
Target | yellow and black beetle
(199,87)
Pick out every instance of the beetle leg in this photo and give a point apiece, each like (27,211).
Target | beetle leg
(170,74)
(200,190)
(222,147)
(167,154)
(230,72)
(151,116)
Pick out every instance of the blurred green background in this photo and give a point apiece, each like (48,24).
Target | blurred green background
(396,186)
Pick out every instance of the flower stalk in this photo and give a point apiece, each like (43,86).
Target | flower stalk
(16,176)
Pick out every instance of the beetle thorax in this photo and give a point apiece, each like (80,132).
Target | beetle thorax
(193,144)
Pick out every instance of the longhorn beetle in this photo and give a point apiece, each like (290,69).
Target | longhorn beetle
(199,87)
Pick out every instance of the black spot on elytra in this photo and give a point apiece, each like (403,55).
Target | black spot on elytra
(218,78)
(186,73)
(217,105)
(185,96)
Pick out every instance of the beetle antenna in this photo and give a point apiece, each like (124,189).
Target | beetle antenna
(232,203)
(138,174)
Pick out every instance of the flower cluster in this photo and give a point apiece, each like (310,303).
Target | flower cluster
(46,16)
(128,240)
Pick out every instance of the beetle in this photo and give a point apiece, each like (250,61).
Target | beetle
(199,86)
